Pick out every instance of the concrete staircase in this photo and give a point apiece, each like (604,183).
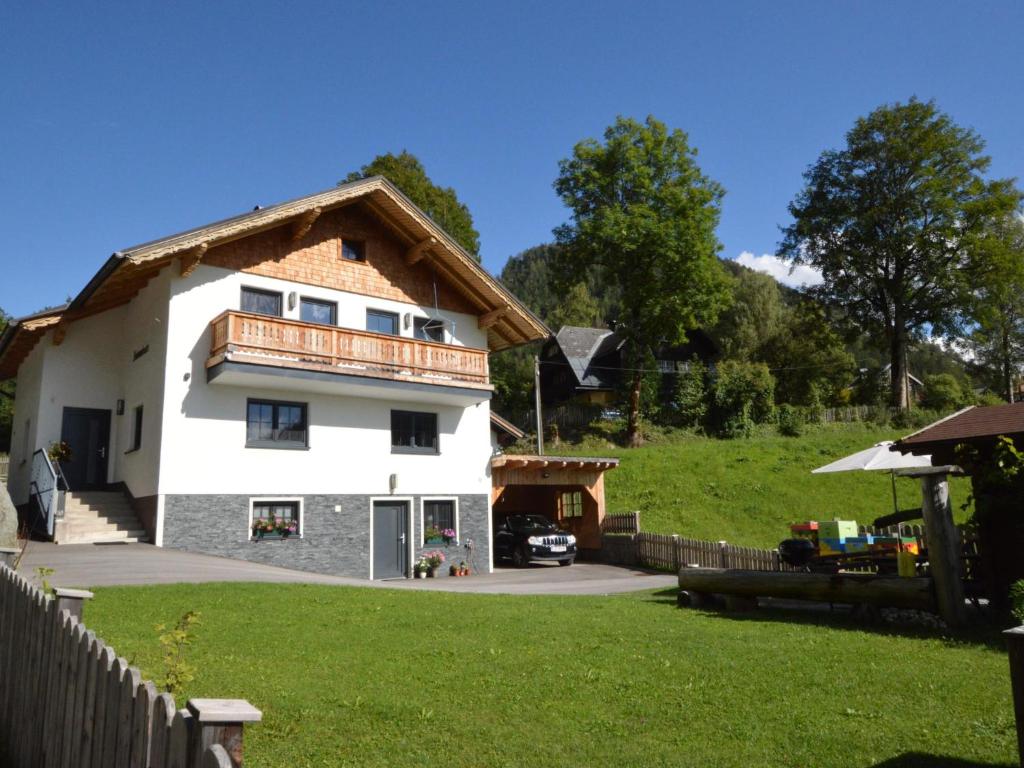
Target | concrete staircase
(98,517)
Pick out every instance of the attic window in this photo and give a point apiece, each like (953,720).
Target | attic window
(353,250)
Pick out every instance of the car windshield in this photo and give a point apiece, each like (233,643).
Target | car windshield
(518,522)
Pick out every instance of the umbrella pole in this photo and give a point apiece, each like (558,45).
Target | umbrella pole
(895,503)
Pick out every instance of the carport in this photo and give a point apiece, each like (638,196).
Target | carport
(569,490)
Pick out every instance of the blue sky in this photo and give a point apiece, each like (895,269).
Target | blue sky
(128,121)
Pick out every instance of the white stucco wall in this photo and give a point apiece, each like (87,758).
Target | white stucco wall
(349,437)
(93,368)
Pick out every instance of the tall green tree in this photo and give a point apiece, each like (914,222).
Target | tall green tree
(998,308)
(577,307)
(406,172)
(892,220)
(644,216)
(755,315)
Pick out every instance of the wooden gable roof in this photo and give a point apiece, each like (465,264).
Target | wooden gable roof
(507,320)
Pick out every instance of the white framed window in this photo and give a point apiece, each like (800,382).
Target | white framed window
(440,513)
(276,508)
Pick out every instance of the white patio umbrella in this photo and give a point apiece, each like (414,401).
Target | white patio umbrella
(877,457)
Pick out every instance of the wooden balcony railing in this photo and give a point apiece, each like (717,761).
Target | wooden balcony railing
(284,343)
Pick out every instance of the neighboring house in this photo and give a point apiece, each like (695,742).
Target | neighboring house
(584,365)
(884,381)
(322,361)
(503,434)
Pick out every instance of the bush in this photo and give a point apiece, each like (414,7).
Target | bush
(942,392)
(742,395)
(690,399)
(791,421)
(1017,601)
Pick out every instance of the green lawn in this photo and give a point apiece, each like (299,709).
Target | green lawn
(370,677)
(749,491)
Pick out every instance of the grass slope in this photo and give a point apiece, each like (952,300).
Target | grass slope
(749,491)
(361,677)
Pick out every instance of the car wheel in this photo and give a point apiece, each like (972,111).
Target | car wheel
(520,558)
(565,562)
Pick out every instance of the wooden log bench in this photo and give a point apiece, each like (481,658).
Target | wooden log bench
(741,588)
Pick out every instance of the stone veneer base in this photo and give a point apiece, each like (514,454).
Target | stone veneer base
(335,543)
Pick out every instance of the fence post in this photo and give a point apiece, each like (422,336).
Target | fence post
(723,553)
(675,553)
(1015,646)
(636,521)
(71,600)
(221,721)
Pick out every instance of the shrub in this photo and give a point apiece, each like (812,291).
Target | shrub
(742,395)
(791,421)
(690,398)
(942,392)
(1017,601)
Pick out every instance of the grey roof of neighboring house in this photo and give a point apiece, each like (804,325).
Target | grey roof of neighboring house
(581,347)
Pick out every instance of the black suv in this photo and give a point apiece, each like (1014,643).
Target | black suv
(533,538)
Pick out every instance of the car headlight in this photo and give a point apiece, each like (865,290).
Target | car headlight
(535,541)
(571,539)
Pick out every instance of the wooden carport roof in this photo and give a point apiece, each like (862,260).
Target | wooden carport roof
(507,320)
(557,462)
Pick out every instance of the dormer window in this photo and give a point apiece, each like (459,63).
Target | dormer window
(353,250)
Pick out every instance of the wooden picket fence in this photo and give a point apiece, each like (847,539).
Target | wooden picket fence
(623,523)
(67,700)
(669,552)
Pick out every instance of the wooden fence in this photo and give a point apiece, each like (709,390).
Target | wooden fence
(68,701)
(669,552)
(624,523)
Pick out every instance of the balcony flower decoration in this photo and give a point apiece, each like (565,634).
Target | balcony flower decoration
(448,534)
(432,535)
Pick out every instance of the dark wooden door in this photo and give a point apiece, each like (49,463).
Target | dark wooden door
(87,433)
(390,539)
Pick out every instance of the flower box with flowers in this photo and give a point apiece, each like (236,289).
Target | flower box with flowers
(273,528)
(434,535)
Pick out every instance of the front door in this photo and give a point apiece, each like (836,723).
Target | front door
(87,433)
(390,539)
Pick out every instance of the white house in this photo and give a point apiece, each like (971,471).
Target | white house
(322,362)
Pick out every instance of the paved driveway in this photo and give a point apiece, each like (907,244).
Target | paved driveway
(104,565)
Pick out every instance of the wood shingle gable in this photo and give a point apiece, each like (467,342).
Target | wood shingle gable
(408,255)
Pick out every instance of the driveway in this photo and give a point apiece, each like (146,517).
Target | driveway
(105,565)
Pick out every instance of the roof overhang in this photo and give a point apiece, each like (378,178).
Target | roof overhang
(507,320)
(559,462)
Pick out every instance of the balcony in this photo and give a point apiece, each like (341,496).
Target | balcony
(245,345)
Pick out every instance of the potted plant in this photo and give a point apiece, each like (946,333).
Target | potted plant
(421,568)
(453,570)
(432,535)
(448,534)
(261,527)
(285,527)
(463,569)
(434,559)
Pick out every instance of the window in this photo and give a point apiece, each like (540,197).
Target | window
(261,302)
(353,250)
(428,329)
(137,429)
(316,311)
(413,432)
(570,504)
(381,322)
(439,515)
(270,424)
(275,519)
